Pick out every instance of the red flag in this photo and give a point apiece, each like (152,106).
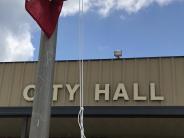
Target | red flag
(45,13)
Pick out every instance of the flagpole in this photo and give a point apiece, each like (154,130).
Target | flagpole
(41,112)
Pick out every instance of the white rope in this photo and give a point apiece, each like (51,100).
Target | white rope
(81,69)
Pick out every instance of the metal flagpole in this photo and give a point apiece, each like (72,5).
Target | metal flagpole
(40,121)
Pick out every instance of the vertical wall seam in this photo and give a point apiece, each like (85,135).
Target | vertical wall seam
(2,79)
(22,81)
(11,87)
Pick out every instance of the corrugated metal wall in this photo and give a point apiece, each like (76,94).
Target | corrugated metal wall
(166,73)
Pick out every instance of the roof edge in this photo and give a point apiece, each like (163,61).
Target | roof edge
(73,60)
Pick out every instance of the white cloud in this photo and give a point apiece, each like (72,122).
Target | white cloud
(104,7)
(71,7)
(15,33)
(17,47)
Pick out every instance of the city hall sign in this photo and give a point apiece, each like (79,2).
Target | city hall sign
(101,92)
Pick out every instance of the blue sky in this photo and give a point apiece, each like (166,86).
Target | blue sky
(153,31)
(140,28)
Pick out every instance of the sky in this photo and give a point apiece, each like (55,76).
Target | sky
(140,28)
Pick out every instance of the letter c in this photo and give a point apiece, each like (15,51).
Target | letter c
(26,93)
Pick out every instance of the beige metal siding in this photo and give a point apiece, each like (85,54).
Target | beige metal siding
(6,83)
(166,73)
(17,85)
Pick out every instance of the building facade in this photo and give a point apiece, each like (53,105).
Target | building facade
(123,98)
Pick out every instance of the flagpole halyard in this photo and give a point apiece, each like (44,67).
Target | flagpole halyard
(81,72)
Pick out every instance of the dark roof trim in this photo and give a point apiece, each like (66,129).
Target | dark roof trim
(101,111)
(72,60)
